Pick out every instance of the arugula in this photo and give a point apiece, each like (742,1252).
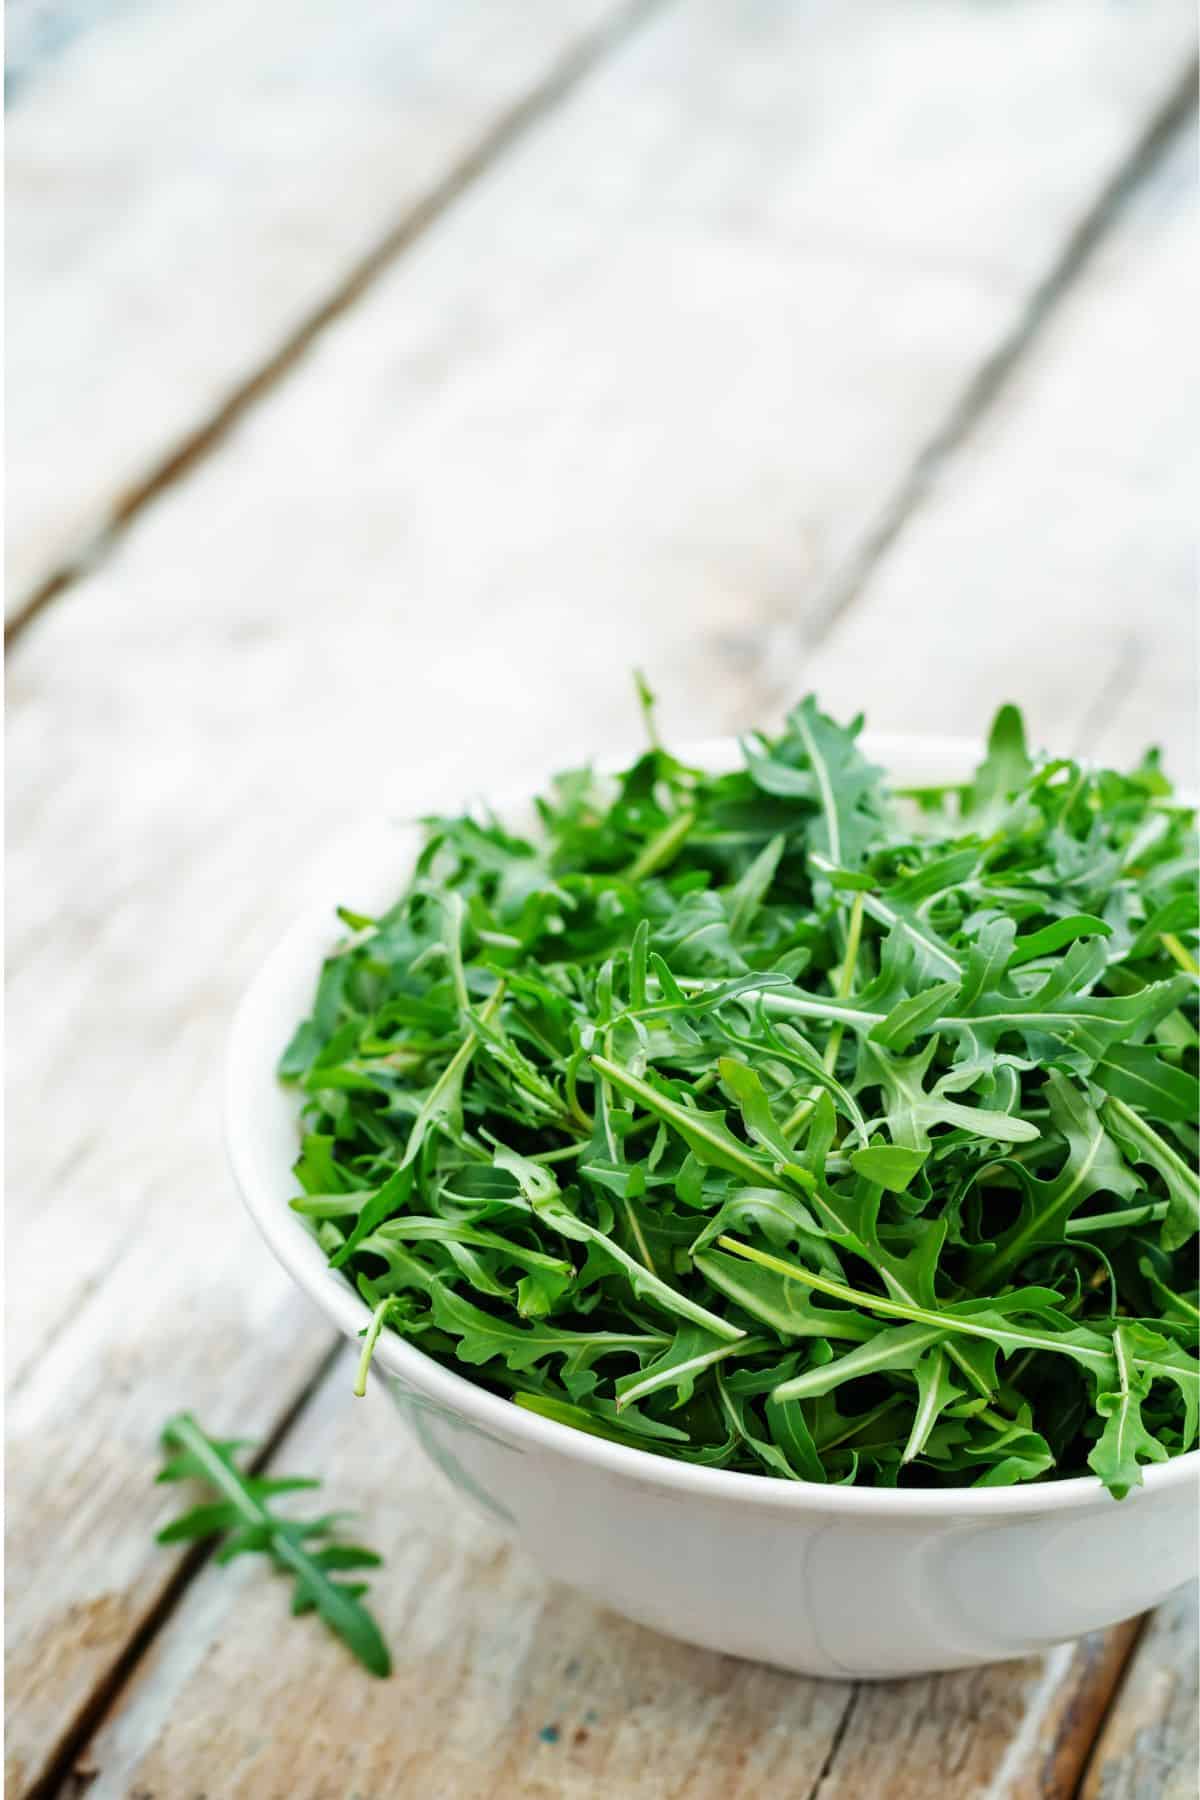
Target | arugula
(245,1521)
(777,1121)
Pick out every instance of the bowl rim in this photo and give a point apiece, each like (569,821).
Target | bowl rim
(263,1020)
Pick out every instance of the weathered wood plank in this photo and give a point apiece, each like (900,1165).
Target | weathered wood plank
(326,137)
(1014,1731)
(191,185)
(38,32)
(407,569)
(1150,1746)
(1053,559)
(81,1510)
(504,1684)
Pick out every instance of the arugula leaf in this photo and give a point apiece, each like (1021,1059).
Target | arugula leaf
(244,1521)
(1141,1076)
(1125,1438)
(705,1132)
(1093,1164)
(1145,1145)
(1004,771)
(936,1390)
(891,1165)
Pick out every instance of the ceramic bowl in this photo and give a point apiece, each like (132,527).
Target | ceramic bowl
(829,1581)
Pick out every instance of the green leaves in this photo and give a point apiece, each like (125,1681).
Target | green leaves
(1144,1078)
(1092,1165)
(1004,771)
(891,1165)
(1145,1145)
(936,1390)
(705,1132)
(847,786)
(243,1519)
(777,1123)
(1125,1441)
(483,1338)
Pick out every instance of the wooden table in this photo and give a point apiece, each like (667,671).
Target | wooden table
(385,382)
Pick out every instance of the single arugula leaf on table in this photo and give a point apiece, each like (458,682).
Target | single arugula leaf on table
(244,1520)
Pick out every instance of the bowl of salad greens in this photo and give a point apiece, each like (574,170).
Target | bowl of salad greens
(765,1177)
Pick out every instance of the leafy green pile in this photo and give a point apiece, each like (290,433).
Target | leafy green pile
(775,1122)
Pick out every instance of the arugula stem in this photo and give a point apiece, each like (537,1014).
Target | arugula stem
(635,1232)
(1114,1221)
(661,849)
(502,940)
(184,1430)
(455,913)
(883,914)
(698,1127)
(788,1002)
(1149,1145)
(845,982)
(370,1339)
(862,1423)
(564,1153)
(1176,948)
(995,1419)
(646,702)
(919,1315)
(449,1078)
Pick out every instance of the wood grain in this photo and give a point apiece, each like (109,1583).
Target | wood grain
(1014,1731)
(1150,1746)
(221,1329)
(145,289)
(1053,559)
(636,399)
(189,190)
(504,1684)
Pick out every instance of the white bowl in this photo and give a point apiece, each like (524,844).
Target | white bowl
(828,1581)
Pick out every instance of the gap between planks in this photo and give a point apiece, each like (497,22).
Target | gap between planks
(522,117)
(836,1741)
(1173,116)
(1113,1698)
(61,1763)
(1146,1746)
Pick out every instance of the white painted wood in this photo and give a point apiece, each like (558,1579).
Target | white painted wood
(1053,561)
(1013,1731)
(636,399)
(189,185)
(1150,1746)
(214,1326)
(189,182)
